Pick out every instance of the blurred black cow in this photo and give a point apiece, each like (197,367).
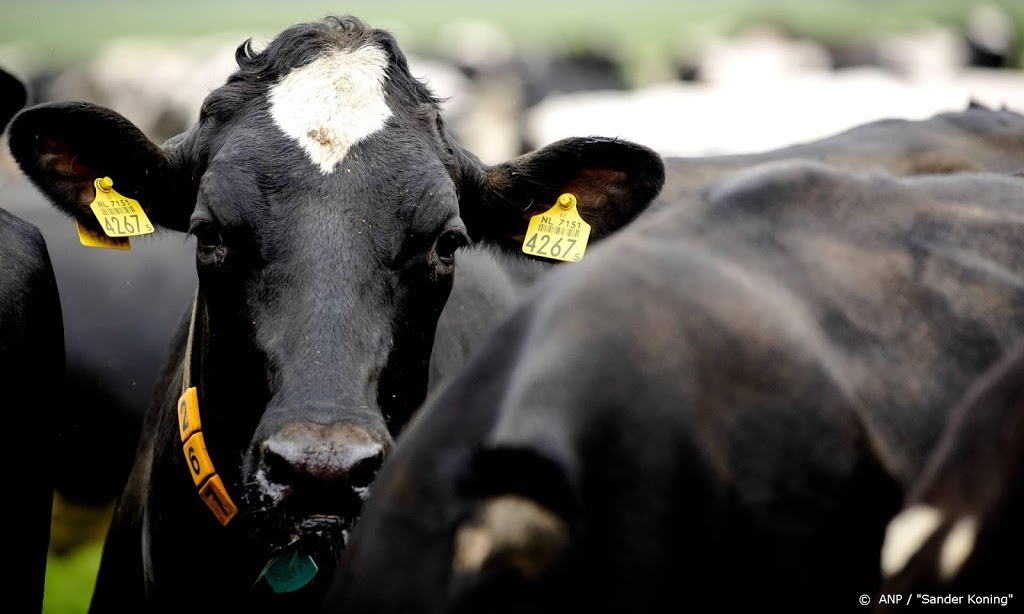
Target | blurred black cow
(32,378)
(723,404)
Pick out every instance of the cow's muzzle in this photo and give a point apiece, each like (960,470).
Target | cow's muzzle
(319,470)
(310,482)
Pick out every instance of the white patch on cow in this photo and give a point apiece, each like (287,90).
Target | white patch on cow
(905,535)
(269,488)
(958,547)
(332,103)
(363,492)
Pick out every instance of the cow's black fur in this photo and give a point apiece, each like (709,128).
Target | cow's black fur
(318,301)
(720,408)
(32,381)
(13,97)
(32,378)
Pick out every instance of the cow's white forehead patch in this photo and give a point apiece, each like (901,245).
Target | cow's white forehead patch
(332,103)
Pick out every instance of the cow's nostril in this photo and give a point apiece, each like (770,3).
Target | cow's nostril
(363,470)
(320,458)
(277,468)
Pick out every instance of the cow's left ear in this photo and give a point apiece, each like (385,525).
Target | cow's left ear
(613,181)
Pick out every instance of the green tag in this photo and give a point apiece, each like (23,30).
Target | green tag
(289,572)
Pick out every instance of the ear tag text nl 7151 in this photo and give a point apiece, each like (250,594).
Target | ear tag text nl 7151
(118,215)
(559,233)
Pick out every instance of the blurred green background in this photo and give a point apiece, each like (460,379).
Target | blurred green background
(59,33)
(64,30)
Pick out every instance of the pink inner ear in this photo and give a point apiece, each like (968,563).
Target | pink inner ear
(595,190)
(75,175)
(594,187)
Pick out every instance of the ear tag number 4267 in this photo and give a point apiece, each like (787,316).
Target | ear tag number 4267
(118,215)
(559,233)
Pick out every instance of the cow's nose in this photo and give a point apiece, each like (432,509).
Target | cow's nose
(320,463)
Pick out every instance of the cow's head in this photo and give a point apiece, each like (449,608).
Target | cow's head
(328,202)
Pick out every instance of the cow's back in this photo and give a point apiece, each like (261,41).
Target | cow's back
(975,139)
(910,287)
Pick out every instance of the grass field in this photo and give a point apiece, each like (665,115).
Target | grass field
(70,579)
(60,32)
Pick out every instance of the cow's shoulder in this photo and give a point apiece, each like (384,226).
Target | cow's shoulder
(22,240)
(24,261)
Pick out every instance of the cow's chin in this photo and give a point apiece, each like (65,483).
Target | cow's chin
(321,536)
(295,519)
(277,537)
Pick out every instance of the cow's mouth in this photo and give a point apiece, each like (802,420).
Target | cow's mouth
(301,526)
(323,532)
(307,552)
(313,534)
(298,514)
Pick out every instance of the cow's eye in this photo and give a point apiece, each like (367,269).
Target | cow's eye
(207,236)
(450,241)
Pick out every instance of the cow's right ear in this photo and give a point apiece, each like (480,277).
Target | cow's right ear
(613,180)
(64,147)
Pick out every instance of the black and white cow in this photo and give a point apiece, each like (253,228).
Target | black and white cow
(960,533)
(31,377)
(328,204)
(721,407)
(120,309)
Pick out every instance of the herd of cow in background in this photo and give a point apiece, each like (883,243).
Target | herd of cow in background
(502,98)
(795,370)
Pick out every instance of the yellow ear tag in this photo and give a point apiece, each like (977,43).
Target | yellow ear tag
(91,238)
(118,215)
(559,233)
